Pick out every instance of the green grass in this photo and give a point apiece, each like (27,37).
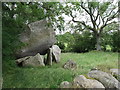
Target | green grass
(52,76)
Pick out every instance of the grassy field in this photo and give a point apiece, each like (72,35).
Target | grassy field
(52,76)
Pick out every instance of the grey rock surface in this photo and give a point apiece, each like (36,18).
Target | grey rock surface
(37,39)
(115,73)
(82,82)
(65,84)
(36,60)
(70,64)
(49,57)
(56,53)
(106,79)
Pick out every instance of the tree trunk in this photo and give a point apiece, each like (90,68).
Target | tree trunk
(98,42)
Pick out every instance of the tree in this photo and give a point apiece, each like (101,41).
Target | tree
(96,16)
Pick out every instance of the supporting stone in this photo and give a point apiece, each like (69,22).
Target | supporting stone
(49,57)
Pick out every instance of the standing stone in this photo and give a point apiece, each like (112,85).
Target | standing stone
(106,79)
(36,60)
(70,64)
(49,56)
(82,82)
(38,38)
(65,84)
(56,53)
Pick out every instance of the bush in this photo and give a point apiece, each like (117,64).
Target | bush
(110,41)
(65,42)
(110,38)
(76,42)
(116,41)
(83,42)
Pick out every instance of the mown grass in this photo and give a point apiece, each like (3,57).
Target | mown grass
(52,76)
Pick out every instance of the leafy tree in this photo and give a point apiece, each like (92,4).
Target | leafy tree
(96,16)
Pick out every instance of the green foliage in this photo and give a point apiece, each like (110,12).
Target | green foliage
(110,38)
(103,7)
(10,36)
(93,4)
(15,17)
(65,41)
(52,76)
(106,41)
(76,42)
(83,42)
(116,41)
(100,14)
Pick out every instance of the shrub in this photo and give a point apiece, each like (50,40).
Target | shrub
(65,42)
(83,42)
(116,41)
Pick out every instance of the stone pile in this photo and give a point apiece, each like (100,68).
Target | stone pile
(39,39)
(95,79)
(106,79)
(82,82)
(53,55)
(36,60)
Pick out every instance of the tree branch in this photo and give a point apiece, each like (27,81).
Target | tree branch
(108,14)
(84,8)
(106,22)
(98,23)
(83,23)
(97,16)
(101,29)
(91,17)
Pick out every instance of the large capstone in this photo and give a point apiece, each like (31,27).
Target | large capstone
(38,38)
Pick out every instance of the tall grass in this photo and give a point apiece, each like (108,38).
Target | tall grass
(52,76)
